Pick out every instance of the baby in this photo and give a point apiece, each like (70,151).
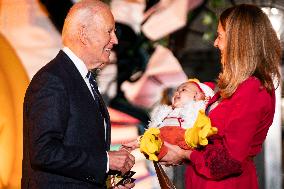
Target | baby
(184,123)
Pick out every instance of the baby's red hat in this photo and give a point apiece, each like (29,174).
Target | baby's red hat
(207,87)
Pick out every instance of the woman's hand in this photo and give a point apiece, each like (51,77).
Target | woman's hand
(175,155)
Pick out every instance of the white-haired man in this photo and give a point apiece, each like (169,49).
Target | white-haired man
(66,123)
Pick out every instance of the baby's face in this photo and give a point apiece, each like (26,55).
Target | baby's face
(186,92)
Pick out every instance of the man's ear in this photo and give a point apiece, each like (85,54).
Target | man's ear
(83,34)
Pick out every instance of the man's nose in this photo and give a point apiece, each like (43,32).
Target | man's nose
(114,39)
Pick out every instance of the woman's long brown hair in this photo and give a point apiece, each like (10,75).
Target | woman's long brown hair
(252,49)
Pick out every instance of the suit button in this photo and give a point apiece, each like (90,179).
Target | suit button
(90,178)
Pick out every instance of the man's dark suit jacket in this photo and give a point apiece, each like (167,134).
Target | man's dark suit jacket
(64,135)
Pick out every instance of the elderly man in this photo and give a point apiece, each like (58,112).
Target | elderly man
(66,123)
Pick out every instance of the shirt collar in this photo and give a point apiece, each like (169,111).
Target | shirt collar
(80,65)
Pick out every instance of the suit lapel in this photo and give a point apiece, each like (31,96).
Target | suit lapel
(70,67)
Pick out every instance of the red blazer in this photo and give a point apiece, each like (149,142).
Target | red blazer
(243,121)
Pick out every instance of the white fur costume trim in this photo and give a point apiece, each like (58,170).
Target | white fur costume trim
(206,89)
(188,113)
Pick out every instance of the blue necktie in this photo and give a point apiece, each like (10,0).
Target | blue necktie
(101,105)
(98,98)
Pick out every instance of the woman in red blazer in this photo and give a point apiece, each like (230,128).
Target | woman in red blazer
(243,109)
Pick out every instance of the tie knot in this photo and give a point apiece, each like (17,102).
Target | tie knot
(92,81)
(90,75)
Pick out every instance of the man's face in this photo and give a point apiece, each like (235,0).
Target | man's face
(186,92)
(101,38)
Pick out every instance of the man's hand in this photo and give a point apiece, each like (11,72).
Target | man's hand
(121,160)
(175,155)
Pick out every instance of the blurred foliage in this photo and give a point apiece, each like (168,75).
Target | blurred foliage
(210,18)
(217,3)
(210,21)
(164,42)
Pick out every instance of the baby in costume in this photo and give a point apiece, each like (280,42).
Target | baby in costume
(184,123)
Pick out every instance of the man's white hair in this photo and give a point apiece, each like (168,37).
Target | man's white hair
(81,13)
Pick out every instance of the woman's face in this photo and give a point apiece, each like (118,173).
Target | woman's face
(220,41)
